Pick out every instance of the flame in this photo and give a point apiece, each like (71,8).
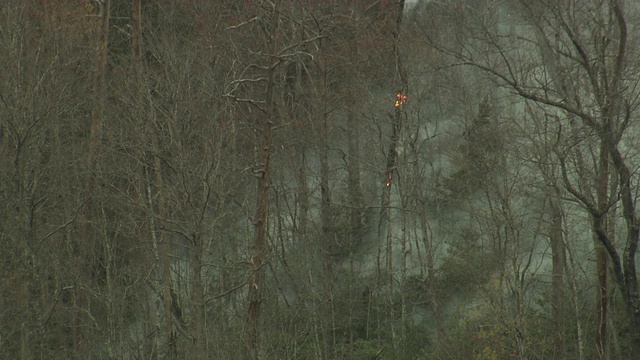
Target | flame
(401,99)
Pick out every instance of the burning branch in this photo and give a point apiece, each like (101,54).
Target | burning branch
(401,99)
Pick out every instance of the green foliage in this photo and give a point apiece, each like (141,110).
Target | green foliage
(348,228)
(416,290)
(466,265)
(480,155)
(366,349)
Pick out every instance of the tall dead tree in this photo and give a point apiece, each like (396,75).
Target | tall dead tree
(264,131)
(602,293)
(155,197)
(400,77)
(86,241)
(557,281)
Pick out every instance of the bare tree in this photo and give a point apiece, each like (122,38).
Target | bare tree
(154,182)
(594,67)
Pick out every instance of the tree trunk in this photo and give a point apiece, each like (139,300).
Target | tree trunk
(97,113)
(429,253)
(303,194)
(629,285)
(328,245)
(557,280)
(602,293)
(392,156)
(197,348)
(156,189)
(258,250)
(353,168)
(259,247)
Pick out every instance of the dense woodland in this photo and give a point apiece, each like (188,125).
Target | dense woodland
(319,179)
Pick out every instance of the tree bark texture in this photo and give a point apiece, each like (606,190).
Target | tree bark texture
(602,293)
(86,240)
(260,246)
(557,282)
(156,188)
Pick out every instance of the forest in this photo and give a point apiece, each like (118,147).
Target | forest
(319,179)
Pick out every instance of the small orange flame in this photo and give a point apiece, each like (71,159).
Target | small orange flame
(389,177)
(401,99)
